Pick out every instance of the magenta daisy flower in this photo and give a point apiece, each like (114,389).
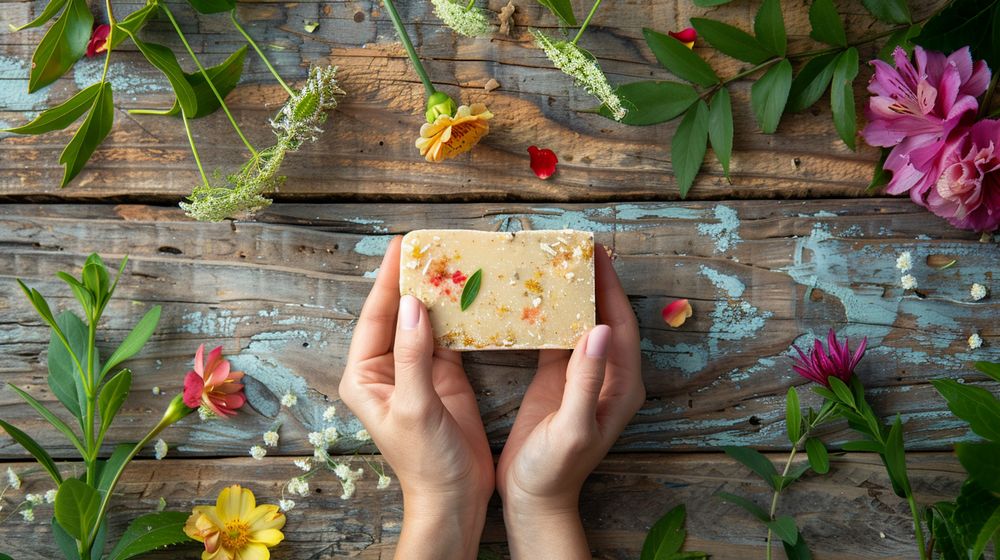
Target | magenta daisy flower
(835,360)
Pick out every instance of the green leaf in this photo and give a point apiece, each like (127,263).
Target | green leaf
(755,461)
(66,543)
(845,69)
(889,11)
(212,6)
(76,507)
(769,94)
(746,504)
(688,146)
(164,60)
(769,26)
(797,551)
(794,473)
(83,295)
(990,369)
(784,527)
(224,76)
(679,60)
(65,378)
(471,289)
(842,391)
(989,531)
(110,468)
(901,38)
(827,26)
(865,445)
(652,102)
(720,128)
(976,516)
(793,416)
(731,41)
(562,9)
(36,451)
(112,397)
(982,462)
(944,532)
(38,302)
(895,460)
(50,11)
(812,80)
(63,44)
(975,405)
(962,23)
(819,460)
(880,175)
(666,537)
(710,3)
(150,532)
(47,414)
(95,277)
(132,24)
(135,340)
(89,136)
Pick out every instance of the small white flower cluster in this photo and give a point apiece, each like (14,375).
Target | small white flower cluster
(298,486)
(160,449)
(975,341)
(271,438)
(12,479)
(362,435)
(904,262)
(258,452)
(581,66)
(286,505)
(31,500)
(330,413)
(289,399)
(303,464)
(470,22)
(977,292)
(347,479)
(383,481)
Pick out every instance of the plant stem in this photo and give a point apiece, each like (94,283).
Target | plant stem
(404,37)
(984,109)
(470,5)
(91,444)
(194,150)
(204,73)
(586,22)
(260,53)
(917,527)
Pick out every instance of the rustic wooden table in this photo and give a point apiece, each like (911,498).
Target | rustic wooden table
(788,250)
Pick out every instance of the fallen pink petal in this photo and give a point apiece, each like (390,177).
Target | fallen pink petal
(677,312)
(543,161)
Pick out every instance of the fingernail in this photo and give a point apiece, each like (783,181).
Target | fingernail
(597,342)
(409,312)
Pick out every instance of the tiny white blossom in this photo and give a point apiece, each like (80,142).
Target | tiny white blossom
(303,464)
(330,413)
(286,505)
(349,488)
(383,482)
(34,499)
(330,435)
(978,292)
(160,449)
(28,514)
(470,22)
(156,390)
(12,480)
(316,439)
(362,435)
(50,497)
(258,452)
(298,486)
(289,399)
(320,454)
(904,262)
(271,438)
(975,341)
(344,472)
(582,67)
(908,282)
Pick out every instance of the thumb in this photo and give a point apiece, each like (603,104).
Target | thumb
(585,374)
(413,354)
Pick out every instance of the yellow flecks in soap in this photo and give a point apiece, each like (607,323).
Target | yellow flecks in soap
(503,309)
(533,286)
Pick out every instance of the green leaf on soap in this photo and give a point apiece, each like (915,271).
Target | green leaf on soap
(471,289)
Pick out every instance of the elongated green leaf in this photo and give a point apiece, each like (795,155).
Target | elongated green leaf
(135,340)
(151,532)
(813,79)
(62,115)
(797,551)
(793,416)
(784,527)
(83,295)
(720,128)
(66,543)
(864,445)
(895,460)
(842,391)
(112,396)
(976,516)
(889,11)
(827,27)
(212,6)
(56,422)
(39,303)
(36,451)
(164,60)
(64,377)
(63,44)
(990,369)
(975,405)
(982,462)
(746,504)
(755,461)
(679,60)
(110,468)
(76,507)
(880,175)
(731,41)
(666,537)
(769,94)
(710,3)
(989,531)
(562,9)
(688,146)
(652,102)
(845,69)
(89,136)
(944,532)
(471,289)
(132,24)
(50,11)
(224,76)
(794,473)
(769,26)
(819,459)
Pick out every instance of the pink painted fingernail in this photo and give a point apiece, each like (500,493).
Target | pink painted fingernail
(409,312)
(597,342)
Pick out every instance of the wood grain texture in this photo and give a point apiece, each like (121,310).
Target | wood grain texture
(367,150)
(851,513)
(281,296)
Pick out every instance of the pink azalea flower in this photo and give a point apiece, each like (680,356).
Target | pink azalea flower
(836,360)
(968,192)
(213,385)
(920,112)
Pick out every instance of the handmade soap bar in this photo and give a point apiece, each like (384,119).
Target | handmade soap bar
(535,288)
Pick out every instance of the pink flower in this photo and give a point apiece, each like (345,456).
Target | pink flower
(920,112)
(543,161)
(98,40)
(968,192)
(676,312)
(835,361)
(213,385)
(686,36)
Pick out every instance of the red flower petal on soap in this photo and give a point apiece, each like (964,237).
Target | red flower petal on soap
(686,36)
(676,312)
(543,161)
(98,40)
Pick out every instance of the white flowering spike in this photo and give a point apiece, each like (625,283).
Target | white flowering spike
(12,479)
(330,413)
(316,439)
(34,499)
(349,488)
(908,282)
(470,22)
(975,341)
(258,452)
(904,262)
(303,464)
(298,486)
(289,400)
(978,292)
(286,505)
(330,435)
(383,482)
(160,449)
(50,497)
(28,514)
(582,67)
(362,435)
(271,438)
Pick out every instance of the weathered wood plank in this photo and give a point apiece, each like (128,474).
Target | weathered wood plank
(281,296)
(620,501)
(368,149)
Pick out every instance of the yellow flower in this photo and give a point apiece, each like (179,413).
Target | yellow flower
(236,528)
(449,136)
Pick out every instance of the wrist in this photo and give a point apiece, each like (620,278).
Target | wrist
(548,528)
(440,527)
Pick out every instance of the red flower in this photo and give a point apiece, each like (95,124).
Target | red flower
(835,361)
(543,161)
(212,384)
(686,36)
(676,312)
(98,40)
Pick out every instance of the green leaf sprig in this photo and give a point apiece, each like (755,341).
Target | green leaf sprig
(471,289)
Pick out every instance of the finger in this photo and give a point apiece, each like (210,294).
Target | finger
(374,332)
(613,308)
(413,354)
(585,375)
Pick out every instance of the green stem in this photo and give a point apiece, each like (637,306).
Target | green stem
(194,149)
(470,5)
(586,22)
(917,526)
(204,73)
(404,37)
(260,53)
(160,112)
(91,444)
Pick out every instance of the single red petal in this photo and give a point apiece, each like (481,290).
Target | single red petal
(543,161)
(199,361)
(98,40)
(686,36)
(676,312)
(194,385)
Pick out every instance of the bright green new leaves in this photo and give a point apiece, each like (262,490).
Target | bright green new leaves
(827,26)
(132,23)
(770,27)
(793,416)
(889,11)
(135,340)
(755,461)
(224,76)
(813,79)
(688,146)
(895,460)
(679,60)
(666,538)
(652,102)
(63,44)
(89,136)
(212,6)
(166,62)
(819,459)
(845,69)
(62,115)
(50,11)
(562,9)
(731,41)
(769,94)
(149,532)
(112,397)
(31,446)
(974,405)
(720,128)
(76,507)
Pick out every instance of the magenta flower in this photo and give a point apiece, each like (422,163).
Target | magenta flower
(920,112)
(835,361)
(968,192)
(213,385)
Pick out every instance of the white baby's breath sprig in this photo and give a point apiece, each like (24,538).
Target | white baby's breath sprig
(50,496)
(286,505)
(362,435)
(582,67)
(160,449)
(298,486)
(270,438)
(303,464)
(904,262)
(258,452)
(12,479)
(383,481)
(467,21)
(977,292)
(330,413)
(288,400)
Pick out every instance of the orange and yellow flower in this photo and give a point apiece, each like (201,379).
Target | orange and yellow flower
(236,528)
(213,384)
(449,136)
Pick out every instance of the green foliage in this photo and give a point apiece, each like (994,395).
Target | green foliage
(991,370)
(845,69)
(665,539)
(135,340)
(819,459)
(62,115)
(689,144)
(224,76)
(112,397)
(793,416)
(212,6)
(769,27)
(150,532)
(679,60)
(972,23)
(769,94)
(746,504)
(895,460)
(652,102)
(755,461)
(562,9)
(88,137)
(76,507)
(63,44)
(811,81)
(973,404)
(67,360)
(982,462)
(784,527)
(720,128)
(889,11)
(471,289)
(50,11)
(826,24)
(163,59)
(54,420)
(31,446)
(731,41)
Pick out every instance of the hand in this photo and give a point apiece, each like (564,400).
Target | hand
(573,411)
(419,408)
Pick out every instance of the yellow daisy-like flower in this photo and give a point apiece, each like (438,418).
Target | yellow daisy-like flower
(449,136)
(236,528)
